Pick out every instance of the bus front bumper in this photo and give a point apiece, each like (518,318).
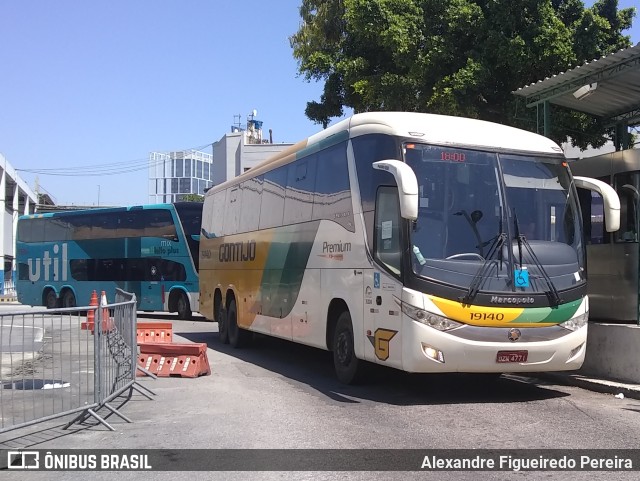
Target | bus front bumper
(428,350)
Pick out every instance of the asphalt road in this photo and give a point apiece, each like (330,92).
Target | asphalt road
(276,394)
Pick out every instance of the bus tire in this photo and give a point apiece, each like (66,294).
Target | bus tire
(223,325)
(50,299)
(183,307)
(349,369)
(68,299)
(237,337)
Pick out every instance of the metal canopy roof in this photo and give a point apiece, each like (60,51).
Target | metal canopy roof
(615,96)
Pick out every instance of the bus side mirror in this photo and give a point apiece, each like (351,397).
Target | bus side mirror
(610,200)
(407,186)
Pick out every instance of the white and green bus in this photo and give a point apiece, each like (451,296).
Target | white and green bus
(421,242)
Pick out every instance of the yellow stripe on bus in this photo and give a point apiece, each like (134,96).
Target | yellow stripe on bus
(477,315)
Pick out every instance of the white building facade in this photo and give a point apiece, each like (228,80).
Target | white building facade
(240,150)
(173,175)
(17,199)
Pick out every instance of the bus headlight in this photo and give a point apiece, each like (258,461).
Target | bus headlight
(428,318)
(577,322)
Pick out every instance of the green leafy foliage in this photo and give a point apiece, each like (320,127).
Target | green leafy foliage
(192,198)
(454,57)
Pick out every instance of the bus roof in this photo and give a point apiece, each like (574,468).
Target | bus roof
(99,210)
(427,128)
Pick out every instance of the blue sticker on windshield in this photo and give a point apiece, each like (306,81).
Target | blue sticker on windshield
(522,277)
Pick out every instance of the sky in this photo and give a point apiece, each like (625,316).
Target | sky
(91,88)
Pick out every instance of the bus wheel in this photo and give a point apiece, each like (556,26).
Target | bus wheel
(223,325)
(237,337)
(68,299)
(349,369)
(50,299)
(184,309)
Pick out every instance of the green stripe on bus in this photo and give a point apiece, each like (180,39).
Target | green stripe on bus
(285,266)
(548,315)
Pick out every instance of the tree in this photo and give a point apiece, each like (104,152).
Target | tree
(455,57)
(192,198)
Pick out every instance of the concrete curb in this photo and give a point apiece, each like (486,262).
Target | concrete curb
(593,384)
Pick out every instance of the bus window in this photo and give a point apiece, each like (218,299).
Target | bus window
(368,149)
(592,217)
(57,229)
(301,176)
(273,190)
(158,223)
(105,226)
(387,235)
(332,198)
(232,217)
(81,225)
(32,230)
(219,204)
(251,194)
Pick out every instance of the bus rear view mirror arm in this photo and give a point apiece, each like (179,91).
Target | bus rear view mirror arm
(407,186)
(610,200)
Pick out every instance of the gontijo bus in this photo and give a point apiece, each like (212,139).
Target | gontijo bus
(150,250)
(422,242)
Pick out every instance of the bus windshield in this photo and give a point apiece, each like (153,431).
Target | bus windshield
(474,204)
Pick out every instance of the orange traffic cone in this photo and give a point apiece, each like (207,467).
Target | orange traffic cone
(91,313)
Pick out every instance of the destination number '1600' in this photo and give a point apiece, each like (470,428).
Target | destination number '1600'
(486,316)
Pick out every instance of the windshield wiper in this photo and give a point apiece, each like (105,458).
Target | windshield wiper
(476,282)
(552,293)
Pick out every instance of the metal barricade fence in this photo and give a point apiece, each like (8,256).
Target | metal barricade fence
(56,362)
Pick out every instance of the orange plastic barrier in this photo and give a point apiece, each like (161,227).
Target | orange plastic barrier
(154,332)
(182,360)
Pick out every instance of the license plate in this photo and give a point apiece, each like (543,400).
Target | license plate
(512,356)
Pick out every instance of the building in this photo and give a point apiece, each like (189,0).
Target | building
(241,149)
(17,199)
(172,175)
(606,88)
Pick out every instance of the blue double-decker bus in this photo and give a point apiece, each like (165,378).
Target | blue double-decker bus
(150,250)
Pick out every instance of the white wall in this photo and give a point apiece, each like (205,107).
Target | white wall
(612,352)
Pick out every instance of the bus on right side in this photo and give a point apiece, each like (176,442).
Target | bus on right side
(421,242)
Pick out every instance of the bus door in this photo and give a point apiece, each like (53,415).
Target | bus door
(160,239)
(133,270)
(600,282)
(152,291)
(382,318)
(624,249)
(382,285)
